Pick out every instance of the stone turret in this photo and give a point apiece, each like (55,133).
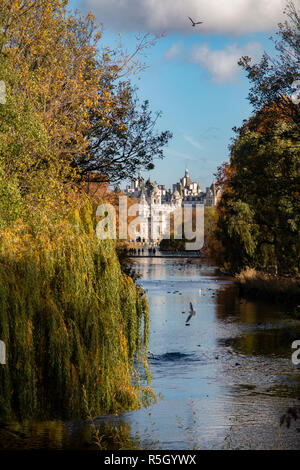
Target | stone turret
(156,196)
(143,199)
(176,198)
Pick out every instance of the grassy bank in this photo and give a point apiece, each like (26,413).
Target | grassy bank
(253,283)
(71,321)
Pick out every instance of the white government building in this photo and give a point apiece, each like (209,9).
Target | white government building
(157,203)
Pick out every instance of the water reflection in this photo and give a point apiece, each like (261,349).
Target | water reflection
(111,433)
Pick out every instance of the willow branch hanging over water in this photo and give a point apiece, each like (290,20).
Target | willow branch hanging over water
(70,318)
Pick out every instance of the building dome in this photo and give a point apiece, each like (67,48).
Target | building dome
(186,180)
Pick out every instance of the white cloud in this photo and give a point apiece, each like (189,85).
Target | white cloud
(175,51)
(219,16)
(193,142)
(222,64)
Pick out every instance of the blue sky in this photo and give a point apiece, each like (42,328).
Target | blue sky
(191,73)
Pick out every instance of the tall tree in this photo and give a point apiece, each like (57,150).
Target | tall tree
(126,141)
(67,79)
(273,77)
(259,215)
(57,75)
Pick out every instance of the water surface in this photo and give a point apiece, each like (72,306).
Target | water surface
(227,378)
(224,381)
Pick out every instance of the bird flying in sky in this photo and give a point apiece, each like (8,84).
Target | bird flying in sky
(194,23)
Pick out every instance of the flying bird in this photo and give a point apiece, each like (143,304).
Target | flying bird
(151,353)
(194,23)
(192,313)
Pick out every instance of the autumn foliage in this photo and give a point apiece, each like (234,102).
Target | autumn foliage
(69,316)
(259,214)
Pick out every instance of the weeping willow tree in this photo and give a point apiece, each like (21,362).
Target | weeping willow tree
(72,323)
(75,326)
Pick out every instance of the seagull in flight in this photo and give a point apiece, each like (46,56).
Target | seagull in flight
(192,314)
(194,23)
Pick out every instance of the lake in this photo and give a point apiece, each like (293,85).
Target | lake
(223,382)
(227,378)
